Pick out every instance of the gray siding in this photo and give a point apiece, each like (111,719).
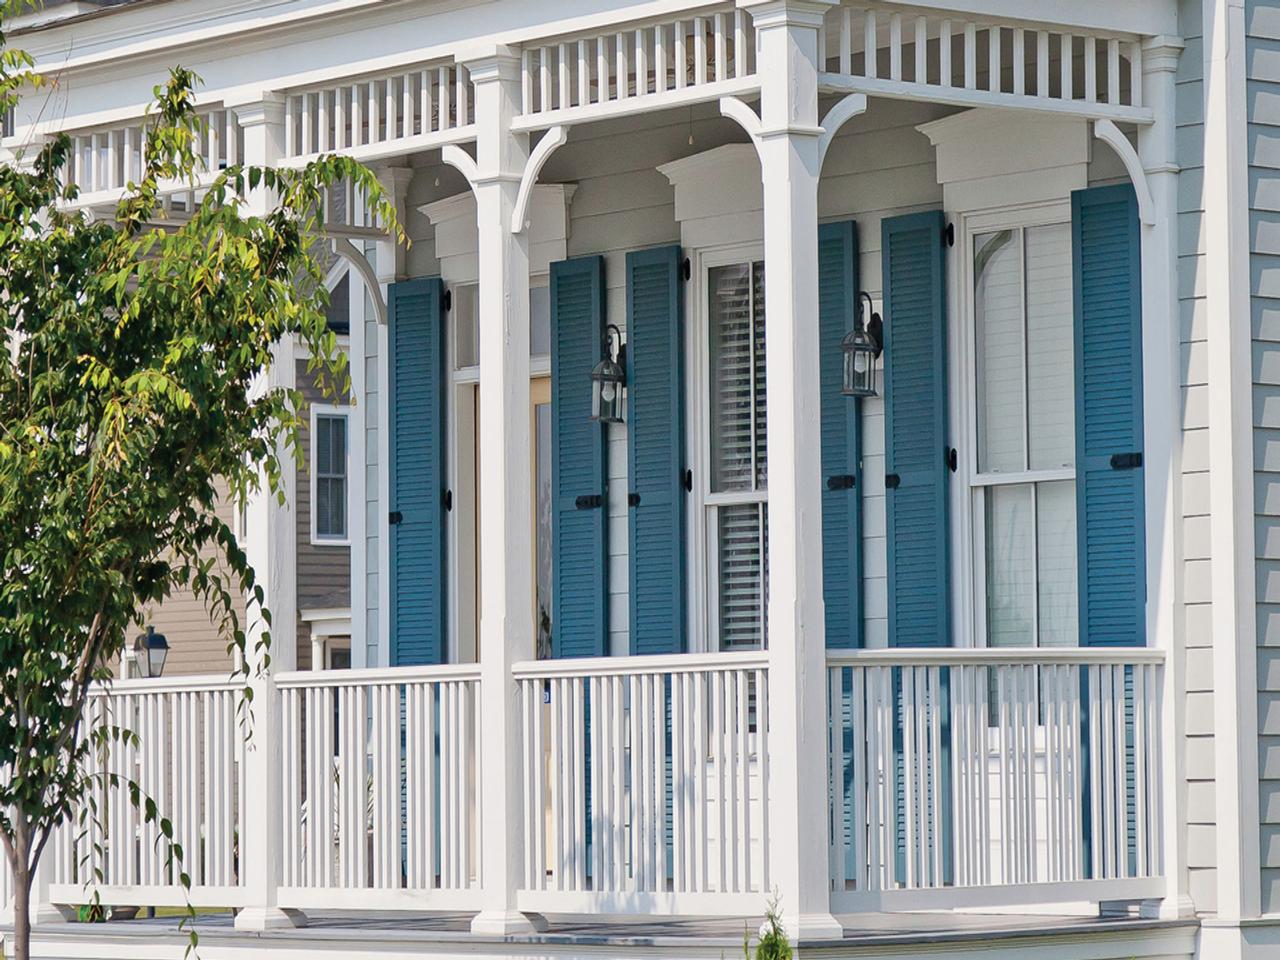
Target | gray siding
(1201,817)
(323,571)
(1262,26)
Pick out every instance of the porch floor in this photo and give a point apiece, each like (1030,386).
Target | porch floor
(441,934)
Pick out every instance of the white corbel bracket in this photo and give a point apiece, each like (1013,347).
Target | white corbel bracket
(1110,134)
(741,113)
(551,141)
(462,161)
(360,263)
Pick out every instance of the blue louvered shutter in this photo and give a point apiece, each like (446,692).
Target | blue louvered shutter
(1108,361)
(416,402)
(580,559)
(841,439)
(916,448)
(655,449)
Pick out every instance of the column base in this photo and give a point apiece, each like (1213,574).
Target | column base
(1168,908)
(49,913)
(508,923)
(269,918)
(812,927)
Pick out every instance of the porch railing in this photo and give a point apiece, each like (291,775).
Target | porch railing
(645,784)
(380,788)
(971,777)
(187,756)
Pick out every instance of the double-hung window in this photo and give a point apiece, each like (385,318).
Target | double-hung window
(329,477)
(737,519)
(1022,485)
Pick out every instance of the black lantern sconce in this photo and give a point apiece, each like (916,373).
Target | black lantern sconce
(861,347)
(150,651)
(608,379)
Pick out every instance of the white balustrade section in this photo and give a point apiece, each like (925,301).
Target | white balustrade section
(103,161)
(414,108)
(646,782)
(638,67)
(985,777)
(952,58)
(380,788)
(187,758)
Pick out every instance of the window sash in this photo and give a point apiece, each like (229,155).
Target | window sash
(329,468)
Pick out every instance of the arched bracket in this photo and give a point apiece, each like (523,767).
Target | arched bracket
(741,113)
(851,106)
(1109,133)
(347,251)
(551,141)
(455,156)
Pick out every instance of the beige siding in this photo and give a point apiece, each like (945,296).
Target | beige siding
(194,643)
(324,571)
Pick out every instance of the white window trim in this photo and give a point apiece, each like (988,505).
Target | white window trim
(319,410)
(968,585)
(702,582)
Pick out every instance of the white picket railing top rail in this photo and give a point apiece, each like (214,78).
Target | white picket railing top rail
(1022,656)
(193,683)
(623,666)
(298,679)
(974,61)
(693,56)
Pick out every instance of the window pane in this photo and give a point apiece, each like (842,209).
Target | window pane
(1050,346)
(998,320)
(330,465)
(1011,588)
(743,572)
(1056,548)
(732,379)
(466,351)
(539,321)
(323,443)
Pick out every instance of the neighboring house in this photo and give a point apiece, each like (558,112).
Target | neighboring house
(975,656)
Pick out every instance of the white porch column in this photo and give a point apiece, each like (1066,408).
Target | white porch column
(1162,453)
(506,610)
(371,576)
(272,549)
(790,164)
(1231,478)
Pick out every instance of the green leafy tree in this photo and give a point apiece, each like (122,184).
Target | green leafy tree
(131,397)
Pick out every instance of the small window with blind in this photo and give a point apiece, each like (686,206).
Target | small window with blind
(329,477)
(737,520)
(1023,481)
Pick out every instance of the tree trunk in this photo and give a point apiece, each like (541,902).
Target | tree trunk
(19,863)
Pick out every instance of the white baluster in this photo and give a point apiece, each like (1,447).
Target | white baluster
(922,50)
(1019,61)
(682,57)
(1091,69)
(970,56)
(699,51)
(995,68)
(870,45)
(895,46)
(846,41)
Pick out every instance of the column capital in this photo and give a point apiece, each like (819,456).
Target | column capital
(787,13)
(1161,54)
(487,62)
(268,110)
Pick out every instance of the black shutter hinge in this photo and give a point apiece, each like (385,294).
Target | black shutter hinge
(891,481)
(949,234)
(1126,461)
(590,501)
(844,481)
(687,481)
(394,517)
(633,500)
(687,266)
(952,459)
(447,301)
(448,501)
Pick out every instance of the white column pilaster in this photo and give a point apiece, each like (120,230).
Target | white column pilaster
(272,549)
(506,610)
(790,162)
(390,267)
(1162,453)
(1231,481)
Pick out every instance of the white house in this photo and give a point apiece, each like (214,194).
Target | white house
(982,661)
